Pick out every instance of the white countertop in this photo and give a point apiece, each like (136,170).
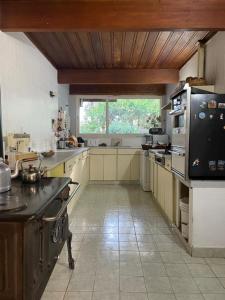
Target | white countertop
(61,156)
(116,147)
(202,183)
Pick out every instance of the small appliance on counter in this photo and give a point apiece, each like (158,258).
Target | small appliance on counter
(157,139)
(13,157)
(61,144)
(80,141)
(155,130)
(19,142)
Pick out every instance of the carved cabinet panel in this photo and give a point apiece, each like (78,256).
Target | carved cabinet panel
(11,261)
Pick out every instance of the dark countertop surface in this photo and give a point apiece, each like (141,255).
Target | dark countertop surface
(31,198)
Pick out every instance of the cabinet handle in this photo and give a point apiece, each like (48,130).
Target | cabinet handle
(61,211)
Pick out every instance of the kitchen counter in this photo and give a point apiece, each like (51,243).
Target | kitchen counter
(61,156)
(116,147)
(202,183)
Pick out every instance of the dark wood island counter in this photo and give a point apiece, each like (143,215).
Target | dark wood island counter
(33,231)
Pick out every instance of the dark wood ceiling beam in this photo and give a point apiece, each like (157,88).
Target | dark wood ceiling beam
(121,89)
(111,15)
(118,76)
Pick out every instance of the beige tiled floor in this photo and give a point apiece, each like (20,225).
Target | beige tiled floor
(124,250)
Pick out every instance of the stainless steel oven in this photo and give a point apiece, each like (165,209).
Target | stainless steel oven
(179,133)
(178,161)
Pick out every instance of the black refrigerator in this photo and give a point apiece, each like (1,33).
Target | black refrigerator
(1,136)
(207,136)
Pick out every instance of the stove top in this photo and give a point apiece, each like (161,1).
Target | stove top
(28,201)
(11,201)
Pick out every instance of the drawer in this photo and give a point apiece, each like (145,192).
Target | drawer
(97,151)
(69,165)
(129,151)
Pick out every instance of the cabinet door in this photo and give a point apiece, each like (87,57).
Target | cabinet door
(11,261)
(135,168)
(123,167)
(96,167)
(86,172)
(79,169)
(155,190)
(58,171)
(151,165)
(161,187)
(169,204)
(109,167)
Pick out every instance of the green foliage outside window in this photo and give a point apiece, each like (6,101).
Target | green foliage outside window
(125,116)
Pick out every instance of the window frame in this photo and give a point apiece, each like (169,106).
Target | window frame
(106,135)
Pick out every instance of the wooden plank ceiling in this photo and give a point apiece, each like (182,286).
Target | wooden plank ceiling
(111,15)
(122,50)
(102,35)
(105,59)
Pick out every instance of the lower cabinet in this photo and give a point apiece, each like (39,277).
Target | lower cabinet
(102,167)
(155,183)
(96,167)
(123,167)
(165,192)
(151,173)
(77,168)
(161,187)
(135,167)
(169,196)
(109,169)
(58,171)
(113,164)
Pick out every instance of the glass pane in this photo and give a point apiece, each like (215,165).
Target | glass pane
(127,116)
(93,117)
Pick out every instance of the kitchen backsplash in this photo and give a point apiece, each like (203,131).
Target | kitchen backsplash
(125,141)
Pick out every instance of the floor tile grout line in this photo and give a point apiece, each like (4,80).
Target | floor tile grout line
(154,233)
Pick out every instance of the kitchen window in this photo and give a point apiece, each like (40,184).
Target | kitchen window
(118,116)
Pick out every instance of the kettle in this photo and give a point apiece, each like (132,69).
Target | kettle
(6,175)
(31,174)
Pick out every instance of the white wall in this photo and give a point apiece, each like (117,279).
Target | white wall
(208,218)
(190,68)
(26,77)
(214,63)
